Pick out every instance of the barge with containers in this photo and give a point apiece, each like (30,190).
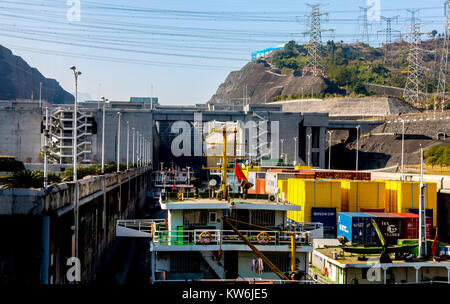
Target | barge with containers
(268,234)
(230,236)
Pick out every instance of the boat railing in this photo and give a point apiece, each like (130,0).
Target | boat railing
(250,281)
(144,225)
(229,237)
(306,226)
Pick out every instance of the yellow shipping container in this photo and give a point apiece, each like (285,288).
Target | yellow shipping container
(363,194)
(306,168)
(390,197)
(283,186)
(291,197)
(405,195)
(309,193)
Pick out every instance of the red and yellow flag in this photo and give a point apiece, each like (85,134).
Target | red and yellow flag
(238,172)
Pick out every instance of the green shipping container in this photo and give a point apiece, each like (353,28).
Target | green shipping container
(415,250)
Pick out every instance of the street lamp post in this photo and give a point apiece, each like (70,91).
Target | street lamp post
(329,151)
(140,150)
(128,142)
(295,149)
(149,154)
(75,155)
(137,149)
(403,144)
(103,134)
(118,141)
(132,149)
(357,145)
(309,148)
(144,151)
(46,135)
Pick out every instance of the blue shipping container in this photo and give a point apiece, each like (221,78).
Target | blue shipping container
(326,216)
(428,212)
(356,227)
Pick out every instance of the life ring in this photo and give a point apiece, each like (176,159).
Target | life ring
(266,240)
(205,240)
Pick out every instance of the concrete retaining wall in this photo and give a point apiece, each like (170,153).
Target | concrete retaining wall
(25,214)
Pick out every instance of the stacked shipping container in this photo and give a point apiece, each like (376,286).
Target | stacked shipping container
(309,193)
(272,179)
(355,226)
(356,194)
(351,175)
(403,196)
(410,226)
(362,194)
(390,225)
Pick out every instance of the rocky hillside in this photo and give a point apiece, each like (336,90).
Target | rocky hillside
(354,70)
(382,146)
(350,107)
(262,82)
(18,80)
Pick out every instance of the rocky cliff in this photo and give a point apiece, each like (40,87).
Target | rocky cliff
(259,82)
(18,80)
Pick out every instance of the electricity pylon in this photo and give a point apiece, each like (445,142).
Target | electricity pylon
(443,67)
(313,59)
(365,23)
(388,30)
(415,79)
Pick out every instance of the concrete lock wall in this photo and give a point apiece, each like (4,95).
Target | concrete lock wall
(36,225)
(289,128)
(20,133)
(142,121)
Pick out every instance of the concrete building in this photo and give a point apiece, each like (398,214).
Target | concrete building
(22,136)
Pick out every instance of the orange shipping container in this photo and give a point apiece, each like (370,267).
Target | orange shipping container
(260,186)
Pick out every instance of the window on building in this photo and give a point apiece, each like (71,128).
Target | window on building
(213,217)
(263,217)
(195,217)
(364,273)
(281,261)
(181,262)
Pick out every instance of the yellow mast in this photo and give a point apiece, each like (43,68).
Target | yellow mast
(224,157)
(224,163)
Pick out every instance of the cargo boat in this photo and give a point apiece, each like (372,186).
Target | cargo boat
(166,179)
(225,238)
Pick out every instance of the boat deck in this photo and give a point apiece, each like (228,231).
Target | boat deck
(238,203)
(352,258)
